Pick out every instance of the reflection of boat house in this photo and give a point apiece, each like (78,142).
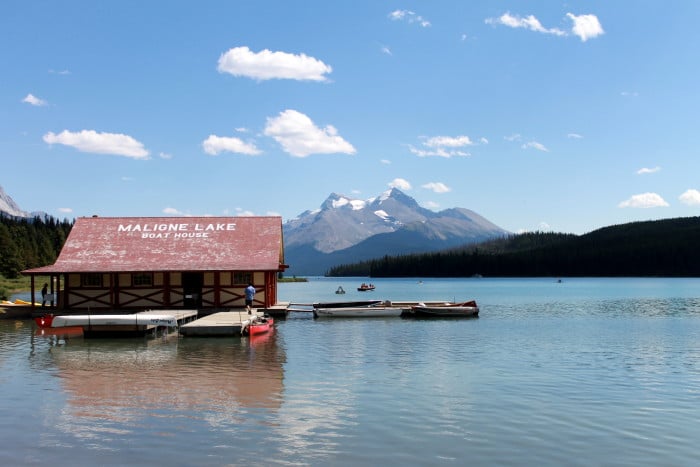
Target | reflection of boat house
(166,262)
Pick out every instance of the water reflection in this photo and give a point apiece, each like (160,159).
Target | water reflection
(115,385)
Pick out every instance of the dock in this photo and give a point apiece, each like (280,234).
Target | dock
(223,323)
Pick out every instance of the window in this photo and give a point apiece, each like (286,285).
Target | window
(91,280)
(242,277)
(142,279)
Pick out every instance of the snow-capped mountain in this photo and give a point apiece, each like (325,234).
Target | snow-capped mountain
(346,230)
(9,207)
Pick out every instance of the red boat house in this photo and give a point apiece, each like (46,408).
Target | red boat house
(137,263)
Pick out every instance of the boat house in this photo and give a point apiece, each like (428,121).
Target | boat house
(137,263)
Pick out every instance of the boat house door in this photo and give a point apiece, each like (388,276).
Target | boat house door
(192,283)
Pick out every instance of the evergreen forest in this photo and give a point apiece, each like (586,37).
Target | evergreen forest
(27,243)
(669,248)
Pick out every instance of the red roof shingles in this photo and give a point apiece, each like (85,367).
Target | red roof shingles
(128,244)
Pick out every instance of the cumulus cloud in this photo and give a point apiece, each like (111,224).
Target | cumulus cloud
(443,146)
(99,143)
(172,212)
(300,137)
(431,205)
(535,145)
(437,187)
(691,197)
(644,200)
(35,101)
(646,170)
(264,65)
(400,183)
(409,16)
(529,22)
(585,26)
(215,145)
(165,155)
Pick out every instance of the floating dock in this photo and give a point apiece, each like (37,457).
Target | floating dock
(224,323)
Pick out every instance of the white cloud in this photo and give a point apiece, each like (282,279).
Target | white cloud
(528,22)
(385,161)
(35,101)
(645,170)
(644,200)
(173,212)
(240,212)
(99,143)
(513,137)
(431,205)
(586,26)
(65,210)
(400,183)
(574,136)
(483,140)
(443,146)
(165,155)
(535,145)
(215,145)
(452,142)
(408,16)
(300,137)
(544,227)
(59,72)
(629,94)
(437,187)
(241,61)
(386,50)
(691,197)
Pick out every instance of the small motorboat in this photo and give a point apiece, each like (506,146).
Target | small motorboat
(365,287)
(340,290)
(257,325)
(447,310)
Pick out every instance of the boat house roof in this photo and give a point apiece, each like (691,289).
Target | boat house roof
(136,244)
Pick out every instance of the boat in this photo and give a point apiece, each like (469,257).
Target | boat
(44,321)
(365,287)
(135,319)
(376,310)
(340,290)
(355,303)
(446,310)
(257,325)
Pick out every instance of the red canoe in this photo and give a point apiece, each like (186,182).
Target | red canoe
(260,326)
(44,321)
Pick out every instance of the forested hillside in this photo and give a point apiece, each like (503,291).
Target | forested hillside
(30,242)
(668,247)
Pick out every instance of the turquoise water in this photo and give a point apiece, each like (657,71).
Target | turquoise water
(582,372)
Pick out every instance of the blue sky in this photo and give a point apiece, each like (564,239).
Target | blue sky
(555,116)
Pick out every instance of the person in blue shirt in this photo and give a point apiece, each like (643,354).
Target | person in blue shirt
(249,296)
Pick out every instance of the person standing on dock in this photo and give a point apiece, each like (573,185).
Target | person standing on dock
(44,292)
(249,296)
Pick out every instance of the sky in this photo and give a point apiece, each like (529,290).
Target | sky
(538,115)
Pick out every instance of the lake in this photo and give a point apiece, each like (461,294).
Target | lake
(582,372)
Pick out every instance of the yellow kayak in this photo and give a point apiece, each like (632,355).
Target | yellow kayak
(24,302)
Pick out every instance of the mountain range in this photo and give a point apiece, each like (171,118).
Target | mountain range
(345,230)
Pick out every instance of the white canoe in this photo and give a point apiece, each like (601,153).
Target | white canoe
(358,312)
(135,319)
